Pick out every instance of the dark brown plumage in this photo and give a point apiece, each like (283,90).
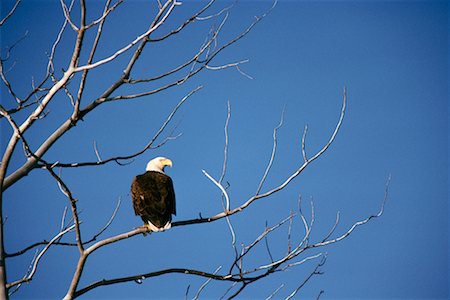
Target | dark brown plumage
(154,199)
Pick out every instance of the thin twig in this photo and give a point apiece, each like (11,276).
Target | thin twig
(274,149)
(11,12)
(214,15)
(111,219)
(66,12)
(205,284)
(224,192)
(266,242)
(105,13)
(336,222)
(275,292)
(225,149)
(97,154)
(66,191)
(314,272)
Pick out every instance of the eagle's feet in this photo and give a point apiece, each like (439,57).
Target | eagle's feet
(146,228)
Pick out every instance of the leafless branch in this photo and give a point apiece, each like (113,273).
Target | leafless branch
(29,276)
(291,217)
(63,219)
(182,79)
(10,48)
(314,272)
(66,11)
(215,15)
(222,189)
(239,277)
(17,287)
(182,26)
(162,15)
(224,197)
(243,73)
(105,14)
(11,12)
(50,66)
(58,243)
(19,135)
(359,223)
(225,149)
(225,66)
(119,159)
(84,75)
(73,203)
(305,157)
(205,284)
(111,219)
(283,184)
(333,228)
(248,248)
(3,73)
(272,156)
(96,152)
(275,292)
(194,60)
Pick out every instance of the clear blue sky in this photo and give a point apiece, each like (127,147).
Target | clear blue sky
(393,58)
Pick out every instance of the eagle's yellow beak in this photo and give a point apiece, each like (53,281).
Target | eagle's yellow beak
(167,162)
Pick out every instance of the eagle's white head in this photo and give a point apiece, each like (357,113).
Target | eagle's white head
(158,164)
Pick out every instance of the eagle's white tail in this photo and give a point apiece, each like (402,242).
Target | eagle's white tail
(156,229)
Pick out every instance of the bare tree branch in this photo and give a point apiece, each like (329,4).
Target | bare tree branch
(272,156)
(275,292)
(105,14)
(314,272)
(50,66)
(11,12)
(29,277)
(161,17)
(187,22)
(238,277)
(205,284)
(225,148)
(66,11)
(149,145)
(288,180)
(73,204)
(58,243)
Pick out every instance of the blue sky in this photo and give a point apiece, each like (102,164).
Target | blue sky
(393,58)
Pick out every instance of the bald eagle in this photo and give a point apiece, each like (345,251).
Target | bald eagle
(153,195)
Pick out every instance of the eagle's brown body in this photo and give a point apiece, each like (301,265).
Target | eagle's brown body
(154,198)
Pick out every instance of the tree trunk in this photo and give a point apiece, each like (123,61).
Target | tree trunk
(3,290)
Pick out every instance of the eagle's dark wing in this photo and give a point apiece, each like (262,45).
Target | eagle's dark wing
(171,197)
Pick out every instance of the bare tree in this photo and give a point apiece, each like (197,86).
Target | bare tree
(72,82)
